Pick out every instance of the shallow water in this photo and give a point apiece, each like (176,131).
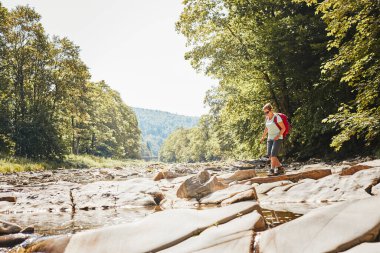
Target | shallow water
(63,223)
(275,218)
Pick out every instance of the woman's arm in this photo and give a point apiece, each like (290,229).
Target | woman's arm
(283,128)
(264,134)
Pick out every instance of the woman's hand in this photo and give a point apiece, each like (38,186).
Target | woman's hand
(276,138)
(264,134)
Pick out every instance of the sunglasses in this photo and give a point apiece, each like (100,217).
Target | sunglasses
(266,112)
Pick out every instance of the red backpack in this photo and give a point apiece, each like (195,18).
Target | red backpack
(284,118)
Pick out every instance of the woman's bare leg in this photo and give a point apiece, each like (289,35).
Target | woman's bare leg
(275,163)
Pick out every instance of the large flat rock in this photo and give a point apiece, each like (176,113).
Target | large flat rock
(108,194)
(294,177)
(237,176)
(366,247)
(241,196)
(360,166)
(328,189)
(264,188)
(376,189)
(42,198)
(332,228)
(218,196)
(234,236)
(156,232)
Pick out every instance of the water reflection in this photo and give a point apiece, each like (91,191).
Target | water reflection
(63,223)
(275,218)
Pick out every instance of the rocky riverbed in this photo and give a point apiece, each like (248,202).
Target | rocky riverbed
(214,207)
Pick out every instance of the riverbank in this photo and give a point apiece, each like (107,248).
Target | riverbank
(238,196)
(17,164)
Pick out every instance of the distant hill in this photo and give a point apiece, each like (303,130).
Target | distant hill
(156,126)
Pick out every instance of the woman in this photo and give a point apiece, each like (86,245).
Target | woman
(275,138)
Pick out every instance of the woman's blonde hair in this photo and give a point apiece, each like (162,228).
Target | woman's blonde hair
(268,106)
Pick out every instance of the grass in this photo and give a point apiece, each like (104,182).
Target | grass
(18,164)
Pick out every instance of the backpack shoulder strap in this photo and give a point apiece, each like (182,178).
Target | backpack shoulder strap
(275,120)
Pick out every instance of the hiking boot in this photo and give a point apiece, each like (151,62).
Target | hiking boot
(280,170)
(271,173)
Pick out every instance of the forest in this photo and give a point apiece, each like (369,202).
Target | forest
(317,61)
(49,105)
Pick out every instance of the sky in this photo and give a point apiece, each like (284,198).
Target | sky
(133,46)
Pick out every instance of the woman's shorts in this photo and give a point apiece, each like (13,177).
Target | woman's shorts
(273,147)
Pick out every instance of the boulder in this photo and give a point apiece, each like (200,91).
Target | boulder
(164,174)
(218,196)
(156,232)
(171,200)
(109,194)
(366,247)
(329,189)
(332,228)
(199,186)
(237,176)
(8,228)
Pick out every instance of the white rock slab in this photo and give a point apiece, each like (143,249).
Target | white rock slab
(158,231)
(43,198)
(373,247)
(233,236)
(376,189)
(241,196)
(328,189)
(218,196)
(373,163)
(332,228)
(266,187)
(104,194)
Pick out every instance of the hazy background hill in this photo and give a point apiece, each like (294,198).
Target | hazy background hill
(157,125)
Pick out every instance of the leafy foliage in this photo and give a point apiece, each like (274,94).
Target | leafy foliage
(279,51)
(191,145)
(354,29)
(48,105)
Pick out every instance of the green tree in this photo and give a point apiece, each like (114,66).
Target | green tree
(262,51)
(354,30)
(27,59)
(48,105)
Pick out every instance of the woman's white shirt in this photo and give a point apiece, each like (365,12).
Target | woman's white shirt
(273,130)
